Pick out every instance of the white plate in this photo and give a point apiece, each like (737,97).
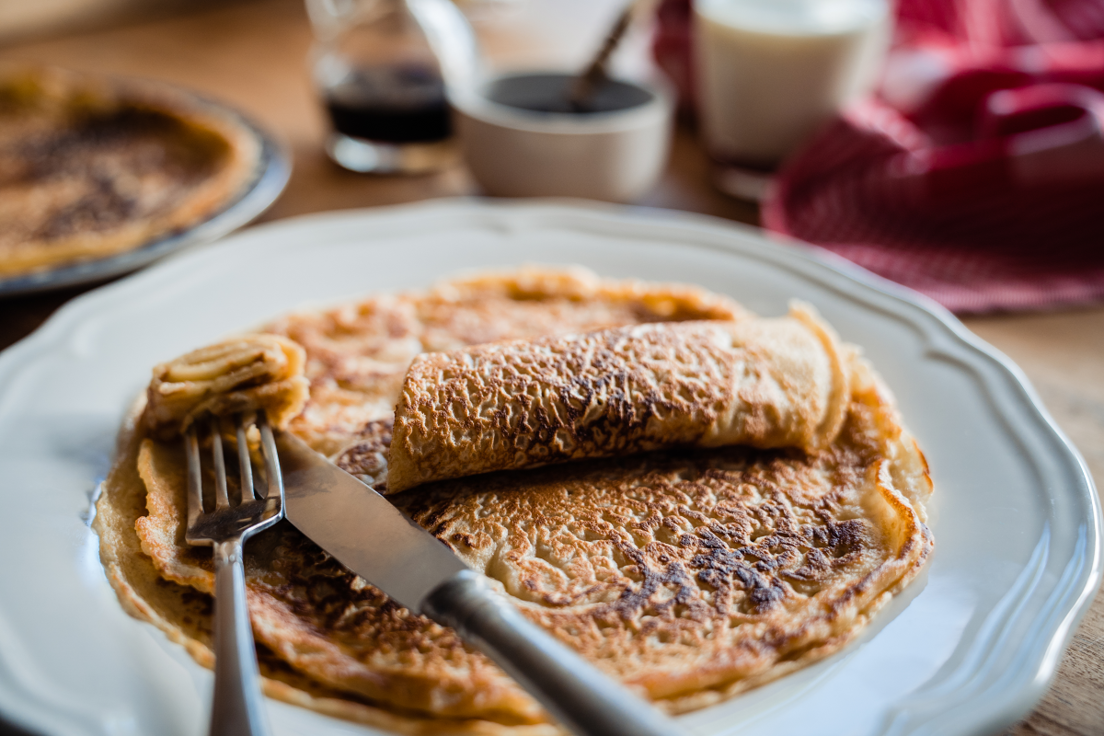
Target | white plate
(969,648)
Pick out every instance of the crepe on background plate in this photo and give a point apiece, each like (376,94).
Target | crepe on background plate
(690,574)
(91,167)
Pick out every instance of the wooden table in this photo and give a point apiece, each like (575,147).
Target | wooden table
(253,55)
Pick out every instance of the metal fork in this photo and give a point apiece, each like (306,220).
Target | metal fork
(236,708)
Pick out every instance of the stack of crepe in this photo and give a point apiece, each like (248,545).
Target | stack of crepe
(695,499)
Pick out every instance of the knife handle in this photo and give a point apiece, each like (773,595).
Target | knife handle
(580,697)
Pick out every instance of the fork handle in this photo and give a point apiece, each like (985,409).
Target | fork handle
(237,707)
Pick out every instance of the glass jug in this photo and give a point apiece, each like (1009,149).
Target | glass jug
(379,67)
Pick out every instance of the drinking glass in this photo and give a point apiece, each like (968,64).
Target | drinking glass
(770,72)
(379,67)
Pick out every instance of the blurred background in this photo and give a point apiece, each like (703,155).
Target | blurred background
(954,146)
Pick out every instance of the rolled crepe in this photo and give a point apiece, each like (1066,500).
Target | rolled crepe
(767,383)
(244,374)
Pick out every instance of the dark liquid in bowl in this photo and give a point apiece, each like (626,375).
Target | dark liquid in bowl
(549,92)
(398,104)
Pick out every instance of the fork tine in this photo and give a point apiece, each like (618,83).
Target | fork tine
(195,476)
(272,460)
(236,706)
(222,499)
(245,465)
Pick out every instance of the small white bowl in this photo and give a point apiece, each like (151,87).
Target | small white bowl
(520,140)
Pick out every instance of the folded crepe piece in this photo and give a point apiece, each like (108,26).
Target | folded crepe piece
(243,374)
(766,383)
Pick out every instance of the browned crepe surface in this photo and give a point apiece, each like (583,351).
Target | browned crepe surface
(690,575)
(766,383)
(89,168)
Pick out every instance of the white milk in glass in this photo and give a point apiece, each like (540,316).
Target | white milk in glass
(771,71)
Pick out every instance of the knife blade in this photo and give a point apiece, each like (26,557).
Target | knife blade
(360,527)
(371,537)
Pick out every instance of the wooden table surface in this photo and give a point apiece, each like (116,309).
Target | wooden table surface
(253,56)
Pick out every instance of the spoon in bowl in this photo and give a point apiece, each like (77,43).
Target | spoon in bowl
(581,89)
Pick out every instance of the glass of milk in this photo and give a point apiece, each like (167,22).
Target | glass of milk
(769,72)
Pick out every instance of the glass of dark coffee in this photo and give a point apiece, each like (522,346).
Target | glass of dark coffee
(376,67)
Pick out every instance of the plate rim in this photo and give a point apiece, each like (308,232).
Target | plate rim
(825,269)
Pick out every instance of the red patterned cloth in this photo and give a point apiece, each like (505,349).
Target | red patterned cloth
(976,175)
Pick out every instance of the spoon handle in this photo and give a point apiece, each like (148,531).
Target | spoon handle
(582,86)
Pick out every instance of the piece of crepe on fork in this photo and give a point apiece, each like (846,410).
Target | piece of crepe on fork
(244,374)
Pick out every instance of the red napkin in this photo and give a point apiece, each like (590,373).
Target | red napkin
(976,174)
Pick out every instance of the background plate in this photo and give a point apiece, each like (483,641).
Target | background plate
(270,176)
(968,648)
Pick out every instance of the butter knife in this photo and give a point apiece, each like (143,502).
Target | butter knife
(373,539)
